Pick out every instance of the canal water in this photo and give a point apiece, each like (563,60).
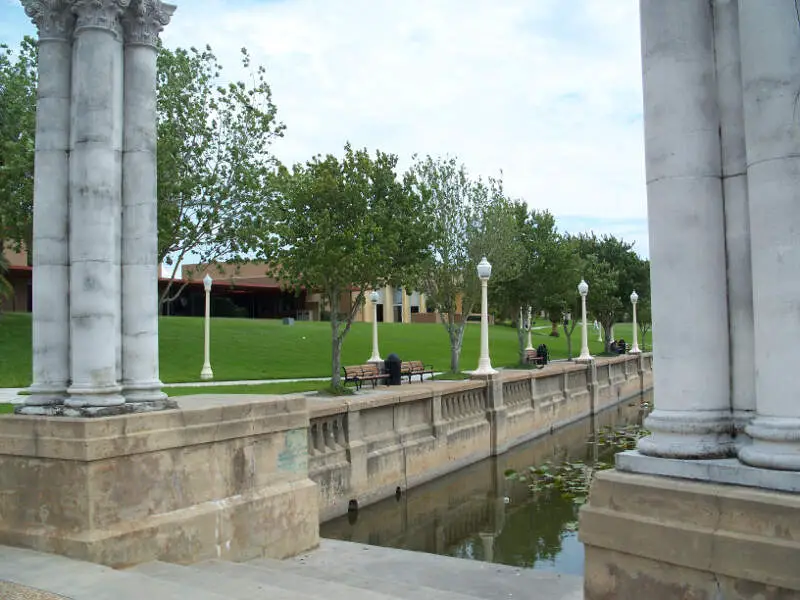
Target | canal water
(479,513)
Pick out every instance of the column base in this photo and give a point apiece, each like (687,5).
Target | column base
(688,434)
(46,395)
(775,443)
(143,392)
(83,398)
(741,418)
(661,537)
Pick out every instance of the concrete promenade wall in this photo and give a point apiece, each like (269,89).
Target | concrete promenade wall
(364,448)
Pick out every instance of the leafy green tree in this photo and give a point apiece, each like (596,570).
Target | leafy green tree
(17,133)
(470,219)
(213,156)
(342,227)
(5,285)
(643,320)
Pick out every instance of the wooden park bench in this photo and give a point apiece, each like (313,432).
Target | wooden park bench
(415,367)
(531,357)
(358,374)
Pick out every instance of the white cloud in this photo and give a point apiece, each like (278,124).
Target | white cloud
(547,91)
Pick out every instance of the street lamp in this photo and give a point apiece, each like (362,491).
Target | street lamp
(635,347)
(376,357)
(206,372)
(530,343)
(484,364)
(583,289)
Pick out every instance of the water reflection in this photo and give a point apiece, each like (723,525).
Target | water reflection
(476,513)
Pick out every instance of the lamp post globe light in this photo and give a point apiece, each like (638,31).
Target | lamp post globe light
(484,364)
(206,372)
(635,347)
(376,356)
(530,343)
(583,290)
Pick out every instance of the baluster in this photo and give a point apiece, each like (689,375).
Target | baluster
(338,442)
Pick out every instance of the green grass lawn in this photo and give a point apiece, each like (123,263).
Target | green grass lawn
(284,387)
(267,349)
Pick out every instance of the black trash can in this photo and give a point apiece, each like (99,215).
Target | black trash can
(392,367)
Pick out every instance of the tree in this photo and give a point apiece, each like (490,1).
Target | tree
(342,227)
(470,219)
(643,320)
(213,152)
(17,133)
(5,285)
(555,270)
(213,156)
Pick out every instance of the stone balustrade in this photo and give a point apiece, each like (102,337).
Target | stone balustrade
(366,447)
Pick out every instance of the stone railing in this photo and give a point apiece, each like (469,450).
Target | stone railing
(363,449)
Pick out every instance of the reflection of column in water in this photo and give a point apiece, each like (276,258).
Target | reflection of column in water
(487,541)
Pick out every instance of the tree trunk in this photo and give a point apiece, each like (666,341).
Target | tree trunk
(336,343)
(608,332)
(521,336)
(554,330)
(568,335)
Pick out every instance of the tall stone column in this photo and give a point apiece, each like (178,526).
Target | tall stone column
(95,206)
(143,22)
(687,232)
(737,217)
(55,22)
(770,45)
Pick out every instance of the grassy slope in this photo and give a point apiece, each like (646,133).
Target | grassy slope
(267,349)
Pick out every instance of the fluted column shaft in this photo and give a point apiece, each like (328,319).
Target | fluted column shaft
(95,204)
(737,217)
(51,341)
(687,235)
(140,377)
(770,43)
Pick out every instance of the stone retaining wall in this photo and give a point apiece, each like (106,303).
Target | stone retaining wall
(364,448)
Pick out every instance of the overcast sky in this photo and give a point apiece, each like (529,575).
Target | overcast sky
(546,91)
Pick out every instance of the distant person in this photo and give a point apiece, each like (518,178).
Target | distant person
(621,346)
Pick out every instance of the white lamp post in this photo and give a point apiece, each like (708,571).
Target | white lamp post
(583,289)
(376,356)
(484,364)
(530,343)
(635,347)
(206,372)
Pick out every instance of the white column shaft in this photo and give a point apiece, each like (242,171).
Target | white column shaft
(687,237)
(95,209)
(206,372)
(484,363)
(585,355)
(530,340)
(769,34)
(635,346)
(737,218)
(51,215)
(376,355)
(140,376)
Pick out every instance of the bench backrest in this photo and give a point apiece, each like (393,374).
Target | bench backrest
(353,372)
(370,369)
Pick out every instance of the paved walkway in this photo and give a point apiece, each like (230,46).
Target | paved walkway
(334,571)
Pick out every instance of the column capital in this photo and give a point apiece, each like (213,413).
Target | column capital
(100,14)
(145,20)
(53,18)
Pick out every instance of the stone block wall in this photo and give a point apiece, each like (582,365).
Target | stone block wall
(226,478)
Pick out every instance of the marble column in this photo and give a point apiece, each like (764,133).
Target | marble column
(737,217)
(95,206)
(55,23)
(770,47)
(687,233)
(143,22)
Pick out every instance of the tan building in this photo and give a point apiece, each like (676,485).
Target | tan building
(19,276)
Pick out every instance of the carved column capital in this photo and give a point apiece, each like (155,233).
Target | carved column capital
(100,14)
(53,18)
(145,20)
